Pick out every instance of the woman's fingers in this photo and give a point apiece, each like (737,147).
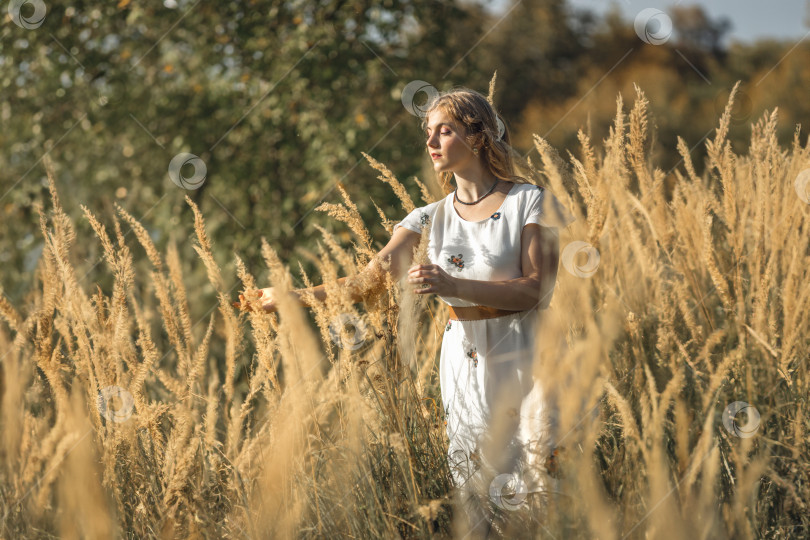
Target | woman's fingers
(243,302)
(264,296)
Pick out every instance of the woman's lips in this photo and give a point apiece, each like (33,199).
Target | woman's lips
(434,156)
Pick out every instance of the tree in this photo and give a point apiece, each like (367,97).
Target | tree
(696,30)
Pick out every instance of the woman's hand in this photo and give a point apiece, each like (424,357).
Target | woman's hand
(267,297)
(434,277)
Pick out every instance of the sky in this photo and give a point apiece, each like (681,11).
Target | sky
(750,19)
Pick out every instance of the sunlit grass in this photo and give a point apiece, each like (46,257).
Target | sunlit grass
(700,299)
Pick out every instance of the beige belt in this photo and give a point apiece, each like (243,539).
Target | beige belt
(475,313)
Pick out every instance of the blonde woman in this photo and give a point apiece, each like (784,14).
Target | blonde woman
(494,255)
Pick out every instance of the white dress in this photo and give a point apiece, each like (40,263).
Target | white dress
(497,420)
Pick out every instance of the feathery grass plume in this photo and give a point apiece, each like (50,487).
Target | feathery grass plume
(558,175)
(554,168)
(298,368)
(18,433)
(62,226)
(721,158)
(600,521)
(686,156)
(85,508)
(388,224)
(389,178)
(56,252)
(261,329)
(197,368)
(337,303)
(718,279)
(427,196)
(143,237)
(203,247)
(46,269)
(65,443)
(12,417)
(351,216)
(365,327)
(588,156)
(279,508)
(101,233)
(47,355)
(150,358)
(183,451)
(210,440)
(239,431)
(342,257)
(597,205)
(179,291)
(320,310)
(681,299)
(491,94)
(646,252)
(750,474)
(233,330)
(615,159)
(410,304)
(171,322)
(8,313)
(525,167)
(636,155)
(629,425)
(365,283)
(119,311)
(585,188)
(666,517)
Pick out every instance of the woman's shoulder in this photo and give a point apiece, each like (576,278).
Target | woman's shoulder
(527,189)
(428,209)
(419,217)
(522,183)
(542,207)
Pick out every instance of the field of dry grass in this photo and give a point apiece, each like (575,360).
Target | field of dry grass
(121,417)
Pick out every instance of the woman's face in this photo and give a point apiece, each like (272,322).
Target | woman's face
(446,145)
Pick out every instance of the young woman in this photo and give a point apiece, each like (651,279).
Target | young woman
(494,255)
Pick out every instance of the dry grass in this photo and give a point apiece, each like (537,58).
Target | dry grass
(700,299)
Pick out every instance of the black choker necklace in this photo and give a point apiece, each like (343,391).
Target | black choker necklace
(482,196)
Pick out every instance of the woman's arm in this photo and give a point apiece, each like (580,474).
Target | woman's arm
(367,284)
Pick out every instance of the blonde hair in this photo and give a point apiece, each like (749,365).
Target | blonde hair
(478,118)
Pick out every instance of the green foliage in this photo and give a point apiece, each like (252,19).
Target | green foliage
(279,100)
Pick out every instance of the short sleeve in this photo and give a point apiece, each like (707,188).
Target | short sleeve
(546,210)
(413,221)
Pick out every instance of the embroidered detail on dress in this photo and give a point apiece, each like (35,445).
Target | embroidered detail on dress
(473,354)
(424,218)
(552,463)
(447,328)
(496,215)
(457,260)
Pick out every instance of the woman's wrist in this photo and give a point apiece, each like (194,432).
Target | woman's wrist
(458,287)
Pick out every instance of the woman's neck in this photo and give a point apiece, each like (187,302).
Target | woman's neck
(473,187)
